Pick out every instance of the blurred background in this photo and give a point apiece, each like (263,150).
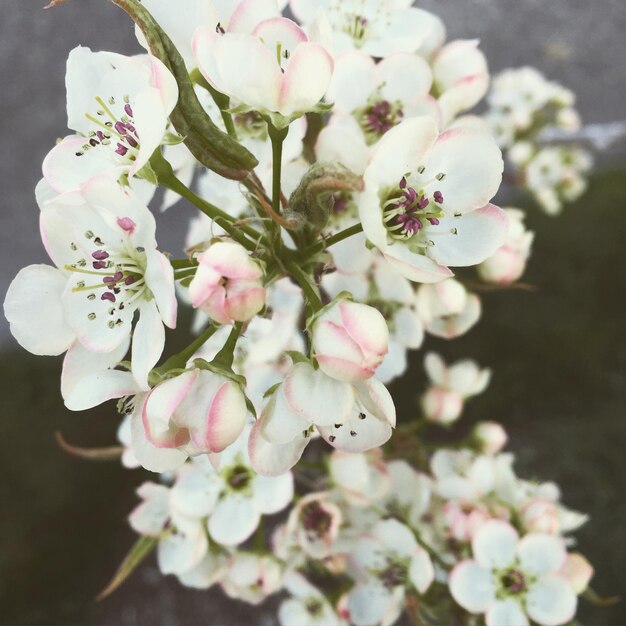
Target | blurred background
(558,354)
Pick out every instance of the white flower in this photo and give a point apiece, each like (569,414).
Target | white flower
(349,340)
(490,436)
(232,497)
(362,478)
(511,580)
(447,309)
(227,284)
(385,562)
(350,417)
(103,244)
(118,106)
(425,202)
(193,413)
(290,74)
(377,27)
(451,386)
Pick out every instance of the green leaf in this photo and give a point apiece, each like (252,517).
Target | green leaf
(212,147)
(271,390)
(296,357)
(143,546)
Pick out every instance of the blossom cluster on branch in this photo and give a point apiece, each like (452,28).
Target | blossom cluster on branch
(343,192)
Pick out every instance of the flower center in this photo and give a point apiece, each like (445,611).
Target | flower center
(111,129)
(393,575)
(380,117)
(316,521)
(239,477)
(313,606)
(120,271)
(513,582)
(411,207)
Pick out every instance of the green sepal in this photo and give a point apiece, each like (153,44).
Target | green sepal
(216,368)
(296,357)
(171,139)
(271,390)
(148,173)
(208,144)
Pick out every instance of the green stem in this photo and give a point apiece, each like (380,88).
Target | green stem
(331,241)
(307,285)
(180,360)
(167,178)
(277,137)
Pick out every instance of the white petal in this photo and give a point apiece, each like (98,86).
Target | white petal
(368,603)
(404,77)
(270,459)
(159,276)
(148,343)
(494,544)
(306,79)
(401,150)
(352,81)
(234,519)
(472,586)
(279,423)
(178,553)
(415,266)
(551,601)
(541,554)
(421,571)
(34,310)
(272,494)
(506,613)
(316,397)
(468,239)
(196,491)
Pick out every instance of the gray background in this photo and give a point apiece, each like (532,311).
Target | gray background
(557,354)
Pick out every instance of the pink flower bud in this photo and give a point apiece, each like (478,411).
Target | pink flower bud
(442,405)
(490,436)
(540,516)
(578,571)
(228,284)
(350,341)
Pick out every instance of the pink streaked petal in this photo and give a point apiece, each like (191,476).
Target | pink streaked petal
(366,326)
(342,369)
(306,79)
(250,13)
(226,417)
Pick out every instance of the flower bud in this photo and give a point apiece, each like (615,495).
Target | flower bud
(490,436)
(350,340)
(540,515)
(228,284)
(578,571)
(442,405)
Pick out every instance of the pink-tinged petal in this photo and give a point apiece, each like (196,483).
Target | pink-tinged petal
(551,601)
(250,13)
(541,554)
(34,309)
(458,60)
(401,150)
(166,84)
(226,417)
(65,171)
(231,260)
(150,120)
(159,407)
(470,238)
(278,31)
(366,326)
(316,397)
(494,544)
(465,94)
(578,572)
(472,164)
(375,397)
(352,81)
(270,459)
(204,285)
(305,80)
(234,520)
(331,339)
(472,586)
(343,369)
(414,266)
(148,455)
(507,612)
(279,423)
(272,495)
(244,299)
(404,77)
(148,343)
(159,276)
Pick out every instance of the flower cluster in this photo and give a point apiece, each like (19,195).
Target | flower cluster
(340,185)
(523,107)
